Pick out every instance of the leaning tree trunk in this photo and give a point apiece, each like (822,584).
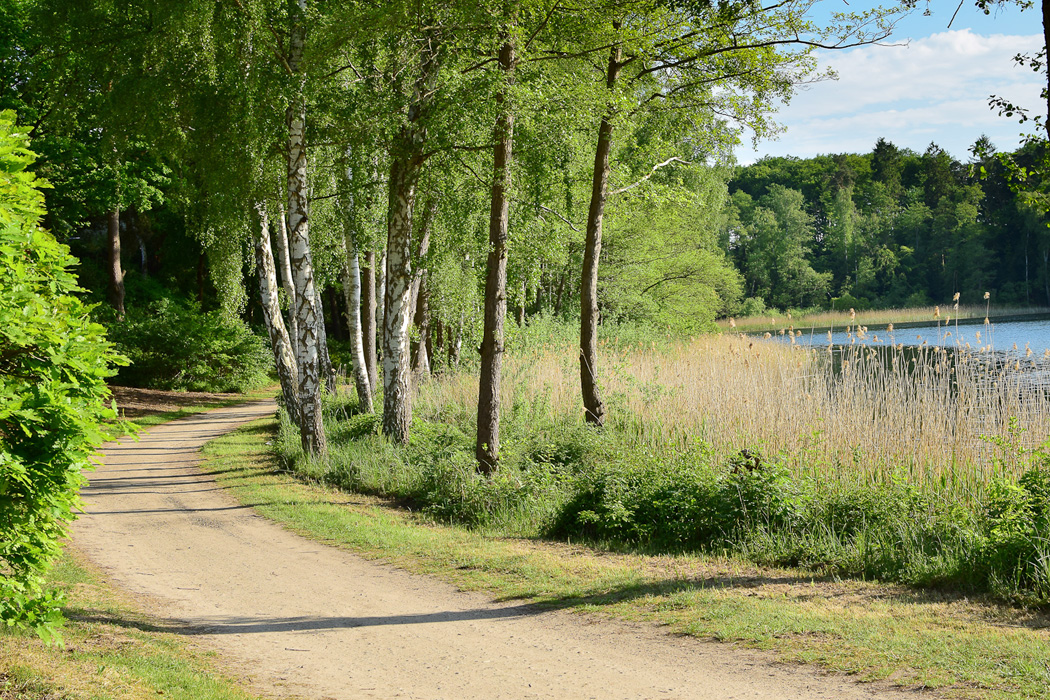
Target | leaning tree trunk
(486,448)
(368,316)
(116,272)
(406,159)
(280,343)
(421,363)
(352,290)
(324,360)
(285,261)
(417,301)
(305,302)
(593,405)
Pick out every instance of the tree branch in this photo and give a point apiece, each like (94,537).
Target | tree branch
(651,173)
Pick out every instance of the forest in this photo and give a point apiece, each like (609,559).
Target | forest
(507,225)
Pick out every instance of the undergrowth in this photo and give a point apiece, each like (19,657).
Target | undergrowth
(571,482)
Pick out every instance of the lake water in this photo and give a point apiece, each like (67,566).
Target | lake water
(1005,336)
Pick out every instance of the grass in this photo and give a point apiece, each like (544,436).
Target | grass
(866,416)
(963,647)
(112,650)
(819,321)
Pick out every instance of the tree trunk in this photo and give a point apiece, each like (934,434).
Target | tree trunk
(287,280)
(380,303)
(116,272)
(422,350)
(418,302)
(486,448)
(305,301)
(280,343)
(324,359)
(593,405)
(368,316)
(352,290)
(423,249)
(406,159)
(455,345)
(339,331)
(397,316)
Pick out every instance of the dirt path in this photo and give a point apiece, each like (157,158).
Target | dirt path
(300,617)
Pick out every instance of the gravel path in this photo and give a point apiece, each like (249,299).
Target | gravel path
(302,618)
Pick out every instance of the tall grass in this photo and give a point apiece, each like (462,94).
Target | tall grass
(859,414)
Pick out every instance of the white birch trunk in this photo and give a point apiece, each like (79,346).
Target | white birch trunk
(286,278)
(352,290)
(305,305)
(284,358)
(397,310)
(324,359)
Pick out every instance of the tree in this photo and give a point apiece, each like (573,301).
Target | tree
(721,61)
(53,367)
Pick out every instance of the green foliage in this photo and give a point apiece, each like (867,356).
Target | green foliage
(174,345)
(1017,526)
(53,365)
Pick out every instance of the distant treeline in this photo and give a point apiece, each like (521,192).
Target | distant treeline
(888,228)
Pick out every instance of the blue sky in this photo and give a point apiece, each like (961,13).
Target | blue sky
(927,83)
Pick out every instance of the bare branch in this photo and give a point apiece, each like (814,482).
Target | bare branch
(652,172)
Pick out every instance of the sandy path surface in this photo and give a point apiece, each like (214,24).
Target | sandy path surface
(300,617)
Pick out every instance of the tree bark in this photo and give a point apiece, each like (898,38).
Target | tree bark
(368,316)
(352,291)
(325,366)
(305,302)
(287,280)
(418,302)
(339,331)
(487,446)
(397,316)
(593,405)
(116,272)
(406,159)
(455,345)
(280,343)
(421,364)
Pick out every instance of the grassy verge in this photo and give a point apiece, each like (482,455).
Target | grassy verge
(962,647)
(112,651)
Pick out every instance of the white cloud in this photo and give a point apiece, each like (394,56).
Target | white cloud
(934,89)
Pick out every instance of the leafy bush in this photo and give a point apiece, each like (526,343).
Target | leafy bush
(175,346)
(53,365)
(1017,526)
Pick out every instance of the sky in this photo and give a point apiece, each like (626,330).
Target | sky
(927,83)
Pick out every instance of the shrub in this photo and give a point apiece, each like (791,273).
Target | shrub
(173,345)
(53,365)
(1016,553)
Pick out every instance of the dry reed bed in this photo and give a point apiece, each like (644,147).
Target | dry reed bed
(864,414)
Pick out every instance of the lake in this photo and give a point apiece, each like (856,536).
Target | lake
(1003,336)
